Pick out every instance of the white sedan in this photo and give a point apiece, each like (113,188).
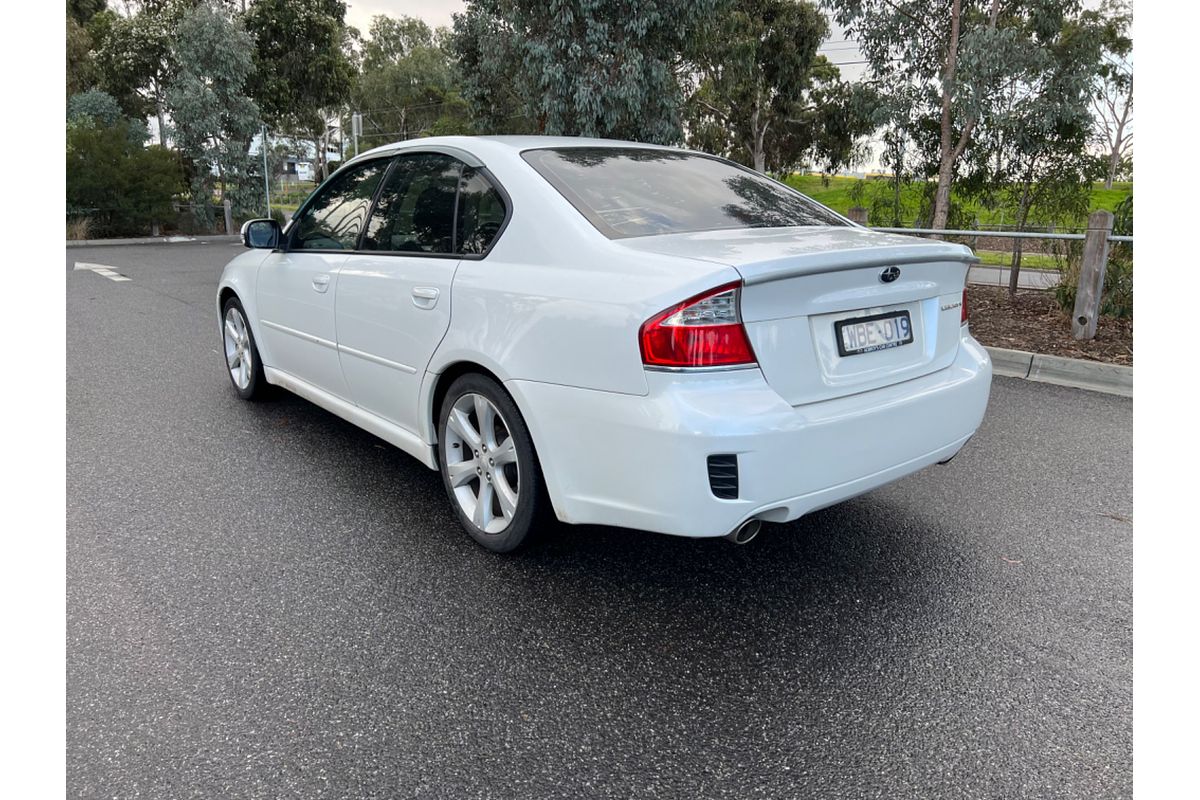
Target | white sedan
(609,333)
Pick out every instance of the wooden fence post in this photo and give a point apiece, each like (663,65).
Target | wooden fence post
(857,214)
(229,216)
(1091,275)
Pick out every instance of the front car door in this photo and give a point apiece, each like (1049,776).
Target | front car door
(296,285)
(393,297)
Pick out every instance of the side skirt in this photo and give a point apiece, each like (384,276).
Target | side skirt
(390,432)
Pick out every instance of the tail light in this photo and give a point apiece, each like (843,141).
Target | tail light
(704,331)
(965,315)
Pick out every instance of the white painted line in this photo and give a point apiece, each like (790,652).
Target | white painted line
(101,269)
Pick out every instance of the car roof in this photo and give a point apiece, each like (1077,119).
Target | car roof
(478,145)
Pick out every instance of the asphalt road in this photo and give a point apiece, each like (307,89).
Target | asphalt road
(264,601)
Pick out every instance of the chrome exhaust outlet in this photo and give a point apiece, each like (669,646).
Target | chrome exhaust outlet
(745,532)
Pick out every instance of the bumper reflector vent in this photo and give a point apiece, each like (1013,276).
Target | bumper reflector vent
(723,476)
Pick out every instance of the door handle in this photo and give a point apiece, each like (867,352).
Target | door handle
(320,283)
(425,297)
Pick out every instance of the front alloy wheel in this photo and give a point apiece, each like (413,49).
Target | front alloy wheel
(488,464)
(241,354)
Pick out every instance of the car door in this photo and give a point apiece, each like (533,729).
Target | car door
(393,298)
(297,284)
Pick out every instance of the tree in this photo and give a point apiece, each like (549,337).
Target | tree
(302,70)
(954,55)
(135,57)
(408,85)
(580,67)
(1112,100)
(1034,141)
(214,119)
(764,95)
(81,67)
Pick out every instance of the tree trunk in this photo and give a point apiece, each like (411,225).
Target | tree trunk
(1114,158)
(941,198)
(948,150)
(158,110)
(1014,272)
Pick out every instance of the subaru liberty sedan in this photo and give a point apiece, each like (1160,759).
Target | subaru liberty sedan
(609,333)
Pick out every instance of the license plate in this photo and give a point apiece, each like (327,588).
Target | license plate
(868,334)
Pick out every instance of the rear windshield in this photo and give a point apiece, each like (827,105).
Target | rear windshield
(643,192)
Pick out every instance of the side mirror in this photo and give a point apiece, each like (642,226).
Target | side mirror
(261,233)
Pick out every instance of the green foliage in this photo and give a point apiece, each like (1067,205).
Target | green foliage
(408,85)
(116,183)
(135,57)
(301,65)
(576,67)
(81,67)
(95,105)
(214,119)
(83,10)
(1020,69)
(764,97)
(876,194)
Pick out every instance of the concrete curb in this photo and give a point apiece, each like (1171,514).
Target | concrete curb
(220,237)
(1074,372)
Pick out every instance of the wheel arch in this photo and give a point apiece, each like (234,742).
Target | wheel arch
(439,384)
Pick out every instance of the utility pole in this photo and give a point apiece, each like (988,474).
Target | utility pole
(356,129)
(266,170)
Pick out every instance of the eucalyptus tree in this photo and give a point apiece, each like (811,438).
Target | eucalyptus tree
(951,57)
(214,118)
(408,85)
(135,56)
(1039,134)
(763,94)
(303,71)
(577,67)
(1112,100)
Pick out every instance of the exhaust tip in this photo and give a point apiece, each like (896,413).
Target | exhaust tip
(745,532)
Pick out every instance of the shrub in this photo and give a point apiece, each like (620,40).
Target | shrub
(1118,272)
(78,228)
(120,185)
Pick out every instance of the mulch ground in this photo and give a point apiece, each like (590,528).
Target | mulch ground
(1032,321)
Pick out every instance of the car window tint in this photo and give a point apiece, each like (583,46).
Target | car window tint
(481,212)
(415,210)
(334,218)
(641,192)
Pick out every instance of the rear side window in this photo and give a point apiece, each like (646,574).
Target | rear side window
(335,217)
(637,191)
(415,209)
(481,213)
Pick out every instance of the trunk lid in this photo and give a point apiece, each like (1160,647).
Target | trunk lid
(800,282)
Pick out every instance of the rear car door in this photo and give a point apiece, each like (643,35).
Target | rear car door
(297,284)
(393,296)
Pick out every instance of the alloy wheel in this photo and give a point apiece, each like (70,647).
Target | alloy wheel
(482,463)
(237,348)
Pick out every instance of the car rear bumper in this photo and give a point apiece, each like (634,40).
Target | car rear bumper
(642,461)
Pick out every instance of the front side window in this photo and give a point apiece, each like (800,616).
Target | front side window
(335,217)
(634,191)
(415,210)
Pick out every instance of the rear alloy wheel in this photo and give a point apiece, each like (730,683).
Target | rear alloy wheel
(488,464)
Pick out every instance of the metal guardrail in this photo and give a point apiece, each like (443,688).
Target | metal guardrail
(981,234)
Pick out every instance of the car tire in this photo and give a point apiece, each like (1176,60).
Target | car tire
(492,477)
(242,362)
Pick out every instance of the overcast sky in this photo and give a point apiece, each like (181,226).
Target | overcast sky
(435,12)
